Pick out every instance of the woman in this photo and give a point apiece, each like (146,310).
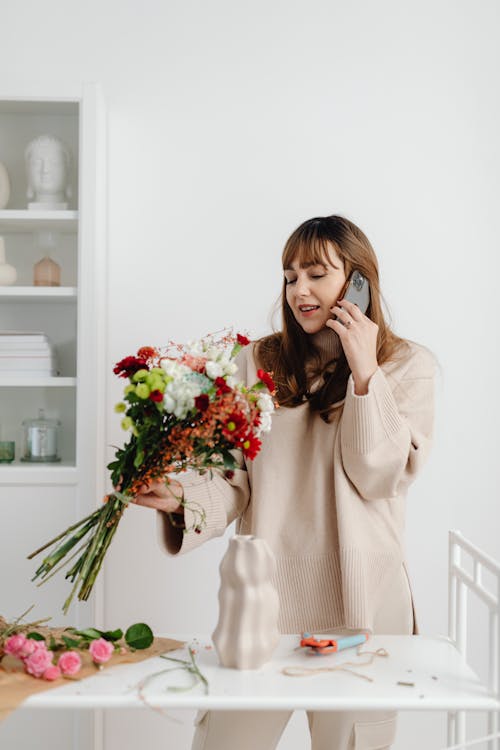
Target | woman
(327,491)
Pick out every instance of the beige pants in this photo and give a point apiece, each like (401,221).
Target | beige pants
(330,730)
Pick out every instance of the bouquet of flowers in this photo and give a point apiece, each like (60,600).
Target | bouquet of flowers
(184,410)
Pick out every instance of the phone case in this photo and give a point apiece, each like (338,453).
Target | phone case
(357,291)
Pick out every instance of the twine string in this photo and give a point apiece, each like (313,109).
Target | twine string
(308,671)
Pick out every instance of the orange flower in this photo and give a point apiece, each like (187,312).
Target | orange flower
(147,352)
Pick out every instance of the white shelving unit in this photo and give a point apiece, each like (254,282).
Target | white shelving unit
(55,495)
(68,314)
(72,316)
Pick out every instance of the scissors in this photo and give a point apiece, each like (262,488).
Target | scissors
(331,645)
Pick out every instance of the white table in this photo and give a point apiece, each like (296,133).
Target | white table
(443,680)
(268,689)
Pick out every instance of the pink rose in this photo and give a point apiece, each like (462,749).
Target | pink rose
(101,650)
(37,662)
(30,645)
(39,646)
(52,673)
(15,644)
(69,662)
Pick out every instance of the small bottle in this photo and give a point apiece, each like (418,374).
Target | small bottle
(47,272)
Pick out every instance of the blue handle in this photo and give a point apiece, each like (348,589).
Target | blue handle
(350,640)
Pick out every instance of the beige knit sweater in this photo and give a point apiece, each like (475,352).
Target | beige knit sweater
(328,498)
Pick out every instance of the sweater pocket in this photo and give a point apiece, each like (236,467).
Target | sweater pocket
(375,735)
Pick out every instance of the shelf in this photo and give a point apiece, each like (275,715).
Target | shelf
(39,106)
(38,293)
(46,382)
(21,473)
(23,220)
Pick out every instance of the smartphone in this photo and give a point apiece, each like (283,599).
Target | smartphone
(356,290)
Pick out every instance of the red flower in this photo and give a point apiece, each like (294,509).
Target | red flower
(265,378)
(147,352)
(250,445)
(126,367)
(229,473)
(222,386)
(156,396)
(234,425)
(242,339)
(201,402)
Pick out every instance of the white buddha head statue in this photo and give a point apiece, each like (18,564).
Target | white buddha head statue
(48,162)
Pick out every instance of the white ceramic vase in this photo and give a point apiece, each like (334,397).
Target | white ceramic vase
(247,630)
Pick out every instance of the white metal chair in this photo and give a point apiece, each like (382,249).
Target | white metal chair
(460,582)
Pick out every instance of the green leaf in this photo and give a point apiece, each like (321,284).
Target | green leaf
(229,460)
(71,642)
(139,459)
(113,635)
(89,633)
(35,636)
(139,636)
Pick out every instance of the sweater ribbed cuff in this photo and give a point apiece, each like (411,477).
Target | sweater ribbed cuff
(205,510)
(371,417)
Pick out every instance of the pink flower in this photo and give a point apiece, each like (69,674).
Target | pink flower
(101,650)
(37,662)
(69,662)
(15,644)
(38,646)
(52,673)
(29,647)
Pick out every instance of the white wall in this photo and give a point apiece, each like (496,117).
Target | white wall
(229,124)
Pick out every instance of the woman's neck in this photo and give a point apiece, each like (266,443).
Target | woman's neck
(328,344)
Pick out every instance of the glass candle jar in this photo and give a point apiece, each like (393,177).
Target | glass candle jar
(40,439)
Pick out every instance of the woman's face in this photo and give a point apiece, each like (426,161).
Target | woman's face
(311,291)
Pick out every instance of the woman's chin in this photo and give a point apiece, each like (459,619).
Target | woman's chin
(311,327)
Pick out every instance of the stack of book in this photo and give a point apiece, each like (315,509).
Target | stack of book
(26,354)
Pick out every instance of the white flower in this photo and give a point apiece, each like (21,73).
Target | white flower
(265,403)
(174,368)
(181,392)
(168,403)
(230,368)
(212,353)
(213,370)
(265,423)
(195,348)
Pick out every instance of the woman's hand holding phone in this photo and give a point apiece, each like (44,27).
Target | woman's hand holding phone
(358,336)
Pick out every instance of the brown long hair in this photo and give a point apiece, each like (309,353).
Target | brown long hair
(286,352)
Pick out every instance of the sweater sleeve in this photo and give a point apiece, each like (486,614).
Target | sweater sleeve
(386,433)
(213,502)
